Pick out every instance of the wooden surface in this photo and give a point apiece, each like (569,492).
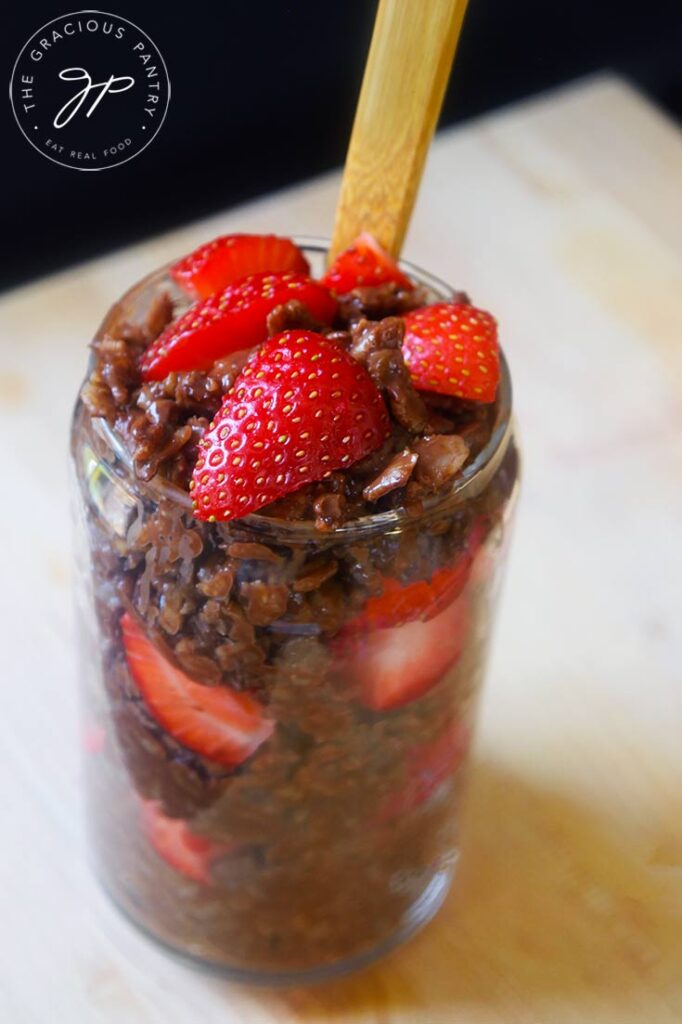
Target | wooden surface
(563,216)
(397,111)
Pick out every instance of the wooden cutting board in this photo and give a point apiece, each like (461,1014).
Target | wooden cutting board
(563,216)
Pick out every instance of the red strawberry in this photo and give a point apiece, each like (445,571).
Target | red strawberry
(428,766)
(399,603)
(452,348)
(217,722)
(403,602)
(225,260)
(364,263)
(232,319)
(174,842)
(301,408)
(392,667)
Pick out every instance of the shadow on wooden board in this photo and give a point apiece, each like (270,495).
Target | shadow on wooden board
(556,913)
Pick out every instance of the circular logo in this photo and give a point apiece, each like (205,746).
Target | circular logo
(89,90)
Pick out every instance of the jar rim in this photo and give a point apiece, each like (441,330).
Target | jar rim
(469,482)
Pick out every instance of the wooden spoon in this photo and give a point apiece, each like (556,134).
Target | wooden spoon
(409,61)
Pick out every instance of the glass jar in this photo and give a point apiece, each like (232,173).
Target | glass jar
(335,835)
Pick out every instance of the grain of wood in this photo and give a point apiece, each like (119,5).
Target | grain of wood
(408,66)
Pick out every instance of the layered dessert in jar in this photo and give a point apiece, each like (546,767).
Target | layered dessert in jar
(294,485)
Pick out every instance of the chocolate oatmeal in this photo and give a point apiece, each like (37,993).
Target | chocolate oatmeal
(289,589)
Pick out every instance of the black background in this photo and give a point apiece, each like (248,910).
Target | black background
(263,94)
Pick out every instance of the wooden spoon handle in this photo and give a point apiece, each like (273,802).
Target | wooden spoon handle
(413,46)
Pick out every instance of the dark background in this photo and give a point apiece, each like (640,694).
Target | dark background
(263,94)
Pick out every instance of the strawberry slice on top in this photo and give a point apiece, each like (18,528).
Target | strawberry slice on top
(301,408)
(227,259)
(217,722)
(232,319)
(364,263)
(452,348)
(173,841)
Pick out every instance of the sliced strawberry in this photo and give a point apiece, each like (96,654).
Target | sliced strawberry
(299,410)
(428,766)
(217,722)
(231,320)
(452,348)
(364,263)
(392,667)
(399,603)
(172,839)
(225,260)
(483,568)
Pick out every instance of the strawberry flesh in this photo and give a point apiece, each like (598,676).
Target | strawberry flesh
(173,841)
(300,409)
(221,724)
(399,602)
(392,667)
(230,320)
(429,766)
(451,348)
(364,263)
(227,259)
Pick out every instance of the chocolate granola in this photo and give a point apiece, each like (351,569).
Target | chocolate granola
(317,847)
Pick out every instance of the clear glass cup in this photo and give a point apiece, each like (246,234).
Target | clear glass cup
(337,837)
